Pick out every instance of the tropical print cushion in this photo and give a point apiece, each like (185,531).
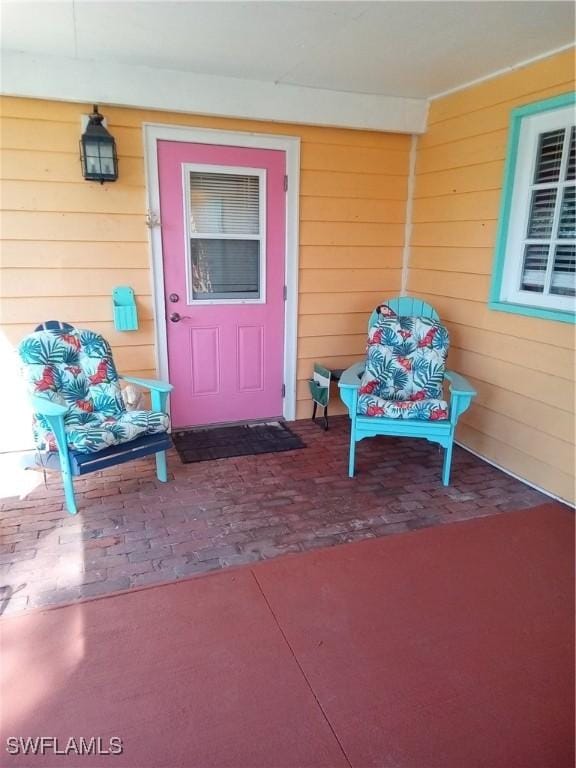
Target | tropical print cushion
(430,410)
(74,368)
(405,365)
(99,431)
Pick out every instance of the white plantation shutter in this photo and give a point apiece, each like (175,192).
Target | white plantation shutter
(542,213)
(226,235)
(549,157)
(540,268)
(553,205)
(567,223)
(535,266)
(564,271)
(571,170)
(548,263)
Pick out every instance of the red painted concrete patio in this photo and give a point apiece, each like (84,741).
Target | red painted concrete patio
(447,647)
(133,531)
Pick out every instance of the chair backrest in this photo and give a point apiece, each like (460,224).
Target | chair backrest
(53,325)
(410,306)
(406,355)
(72,367)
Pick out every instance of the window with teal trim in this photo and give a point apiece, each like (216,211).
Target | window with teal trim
(536,251)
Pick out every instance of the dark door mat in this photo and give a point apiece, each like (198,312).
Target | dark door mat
(243,440)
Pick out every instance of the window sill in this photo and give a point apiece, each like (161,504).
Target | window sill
(523,309)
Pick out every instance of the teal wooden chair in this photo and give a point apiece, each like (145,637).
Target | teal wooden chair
(398,389)
(81,424)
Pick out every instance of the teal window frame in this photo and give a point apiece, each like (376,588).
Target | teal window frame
(495,302)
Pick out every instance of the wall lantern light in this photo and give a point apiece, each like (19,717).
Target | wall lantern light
(98,151)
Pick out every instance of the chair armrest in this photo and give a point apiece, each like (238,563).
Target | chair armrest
(46,407)
(459,385)
(152,384)
(461,395)
(350,379)
(349,385)
(159,390)
(54,414)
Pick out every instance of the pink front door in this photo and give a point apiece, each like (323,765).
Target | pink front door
(223,239)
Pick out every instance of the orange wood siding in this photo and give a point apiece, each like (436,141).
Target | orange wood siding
(523,367)
(67,242)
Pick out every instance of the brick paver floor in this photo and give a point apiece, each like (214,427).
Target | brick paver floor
(132,530)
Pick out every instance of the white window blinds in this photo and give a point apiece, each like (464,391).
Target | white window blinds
(549,248)
(226,234)
(224,204)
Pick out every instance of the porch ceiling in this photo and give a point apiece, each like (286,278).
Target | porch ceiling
(405,49)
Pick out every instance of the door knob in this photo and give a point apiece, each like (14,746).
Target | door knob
(175,317)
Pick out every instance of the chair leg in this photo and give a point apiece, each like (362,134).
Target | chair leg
(161,467)
(352,455)
(57,426)
(447,464)
(69,493)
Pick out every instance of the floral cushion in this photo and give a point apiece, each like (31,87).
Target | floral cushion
(99,431)
(431,410)
(405,365)
(75,368)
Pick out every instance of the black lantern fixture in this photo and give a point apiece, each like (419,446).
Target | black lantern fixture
(98,151)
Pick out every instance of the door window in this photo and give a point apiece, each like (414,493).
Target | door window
(225,223)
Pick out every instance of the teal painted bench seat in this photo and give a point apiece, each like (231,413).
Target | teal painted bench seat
(83,463)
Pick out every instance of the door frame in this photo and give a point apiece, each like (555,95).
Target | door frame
(155,132)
